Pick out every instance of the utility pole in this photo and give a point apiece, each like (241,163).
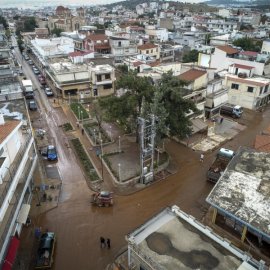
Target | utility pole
(147,135)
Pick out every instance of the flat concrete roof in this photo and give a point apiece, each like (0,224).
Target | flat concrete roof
(243,190)
(174,240)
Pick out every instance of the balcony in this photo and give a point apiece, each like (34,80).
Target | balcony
(12,170)
(16,200)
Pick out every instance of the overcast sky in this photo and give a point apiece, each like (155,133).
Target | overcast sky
(35,3)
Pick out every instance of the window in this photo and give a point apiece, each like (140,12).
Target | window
(156,49)
(107,86)
(151,51)
(266,88)
(119,43)
(147,51)
(107,76)
(261,90)
(235,86)
(95,92)
(99,78)
(250,89)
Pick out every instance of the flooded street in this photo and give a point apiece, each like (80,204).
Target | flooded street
(78,225)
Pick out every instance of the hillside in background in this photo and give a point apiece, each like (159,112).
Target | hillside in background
(131,4)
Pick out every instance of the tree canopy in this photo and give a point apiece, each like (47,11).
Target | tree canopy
(4,22)
(142,98)
(191,56)
(248,44)
(57,31)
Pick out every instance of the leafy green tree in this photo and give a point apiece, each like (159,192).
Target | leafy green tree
(191,56)
(248,44)
(176,106)
(4,22)
(57,32)
(29,24)
(123,68)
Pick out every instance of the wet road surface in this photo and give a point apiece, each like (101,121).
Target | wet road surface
(78,225)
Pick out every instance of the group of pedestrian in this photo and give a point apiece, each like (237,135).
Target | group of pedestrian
(105,242)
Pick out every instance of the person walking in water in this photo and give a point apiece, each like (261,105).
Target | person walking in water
(102,242)
(109,243)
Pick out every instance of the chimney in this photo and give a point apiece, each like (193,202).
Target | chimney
(2,120)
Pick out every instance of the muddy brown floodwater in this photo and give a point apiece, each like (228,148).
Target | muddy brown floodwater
(78,225)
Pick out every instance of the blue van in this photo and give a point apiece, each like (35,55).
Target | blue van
(51,153)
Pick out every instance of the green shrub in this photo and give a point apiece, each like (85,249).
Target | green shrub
(85,161)
(79,111)
(67,127)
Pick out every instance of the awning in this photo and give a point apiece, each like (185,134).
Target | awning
(23,214)
(11,254)
(198,125)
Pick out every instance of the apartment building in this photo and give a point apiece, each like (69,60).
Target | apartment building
(172,239)
(225,56)
(149,49)
(98,43)
(121,48)
(102,80)
(18,161)
(250,92)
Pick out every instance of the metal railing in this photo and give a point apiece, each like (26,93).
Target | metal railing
(7,181)
(17,195)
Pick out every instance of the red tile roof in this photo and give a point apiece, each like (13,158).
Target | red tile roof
(137,63)
(78,53)
(191,75)
(243,66)
(227,49)
(147,46)
(96,37)
(7,128)
(262,143)
(249,53)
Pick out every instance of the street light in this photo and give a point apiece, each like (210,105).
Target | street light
(119,171)
(82,116)
(101,159)
(119,144)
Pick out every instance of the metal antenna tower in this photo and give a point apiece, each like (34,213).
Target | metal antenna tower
(147,135)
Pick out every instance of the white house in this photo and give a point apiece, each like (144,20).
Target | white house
(266,47)
(225,56)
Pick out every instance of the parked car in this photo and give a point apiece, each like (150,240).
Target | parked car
(45,252)
(36,71)
(48,92)
(30,62)
(32,105)
(50,152)
(41,79)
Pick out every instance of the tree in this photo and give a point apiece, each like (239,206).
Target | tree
(248,44)
(29,24)
(57,31)
(176,107)
(191,56)
(143,98)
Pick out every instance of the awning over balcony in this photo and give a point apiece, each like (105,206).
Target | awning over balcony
(11,254)
(198,125)
(23,214)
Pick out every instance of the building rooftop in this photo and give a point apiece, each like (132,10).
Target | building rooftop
(242,66)
(7,128)
(228,49)
(64,65)
(257,81)
(243,190)
(147,46)
(191,75)
(174,240)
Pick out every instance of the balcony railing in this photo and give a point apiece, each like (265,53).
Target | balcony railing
(13,207)
(7,181)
